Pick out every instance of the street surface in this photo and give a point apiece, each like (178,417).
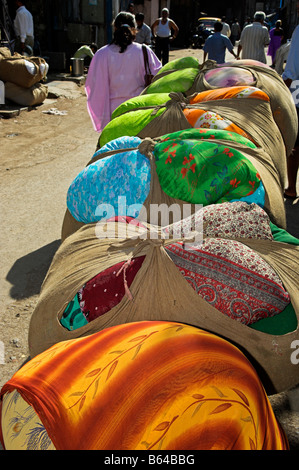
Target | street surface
(41,153)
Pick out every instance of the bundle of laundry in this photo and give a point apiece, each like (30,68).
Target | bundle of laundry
(253,73)
(225,276)
(23,71)
(175,76)
(193,166)
(211,75)
(242,110)
(187,389)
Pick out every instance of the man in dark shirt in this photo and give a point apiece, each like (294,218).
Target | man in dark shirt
(216,45)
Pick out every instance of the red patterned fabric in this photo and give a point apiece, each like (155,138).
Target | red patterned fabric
(231,277)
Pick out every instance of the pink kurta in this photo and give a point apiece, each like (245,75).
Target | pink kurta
(115,77)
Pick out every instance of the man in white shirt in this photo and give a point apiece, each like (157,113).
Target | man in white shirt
(144,33)
(254,38)
(291,78)
(225,27)
(281,57)
(161,29)
(23,26)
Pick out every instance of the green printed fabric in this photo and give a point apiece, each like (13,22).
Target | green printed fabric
(73,318)
(182,63)
(203,172)
(178,81)
(213,134)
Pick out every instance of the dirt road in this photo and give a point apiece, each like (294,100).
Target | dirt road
(41,153)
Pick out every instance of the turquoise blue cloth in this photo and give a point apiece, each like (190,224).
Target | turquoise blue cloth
(116,185)
(258,197)
(125,142)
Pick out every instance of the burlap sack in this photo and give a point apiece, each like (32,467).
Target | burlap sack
(270,176)
(267,80)
(13,69)
(26,96)
(4,53)
(160,292)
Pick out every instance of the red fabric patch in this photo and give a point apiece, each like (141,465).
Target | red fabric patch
(106,290)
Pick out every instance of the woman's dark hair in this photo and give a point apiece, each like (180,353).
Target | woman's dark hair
(124,33)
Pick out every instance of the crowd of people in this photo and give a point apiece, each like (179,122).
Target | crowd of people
(131,32)
(253,40)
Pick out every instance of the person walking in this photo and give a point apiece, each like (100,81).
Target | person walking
(161,30)
(254,38)
(216,45)
(117,71)
(24,28)
(143,33)
(276,36)
(235,31)
(291,79)
(225,27)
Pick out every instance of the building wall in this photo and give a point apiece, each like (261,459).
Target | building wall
(63,25)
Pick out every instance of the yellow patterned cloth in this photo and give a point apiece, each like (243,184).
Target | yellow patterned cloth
(144,385)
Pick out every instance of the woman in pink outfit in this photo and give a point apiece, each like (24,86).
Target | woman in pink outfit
(116,72)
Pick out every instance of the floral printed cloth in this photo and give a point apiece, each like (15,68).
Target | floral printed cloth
(229,220)
(94,194)
(201,118)
(202,171)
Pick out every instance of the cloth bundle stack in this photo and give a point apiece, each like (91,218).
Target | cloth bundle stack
(22,77)
(176,282)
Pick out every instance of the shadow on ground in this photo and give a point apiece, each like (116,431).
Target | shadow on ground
(27,274)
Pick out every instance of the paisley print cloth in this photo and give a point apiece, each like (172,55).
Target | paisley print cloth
(231,277)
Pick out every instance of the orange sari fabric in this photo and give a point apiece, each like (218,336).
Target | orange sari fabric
(228,93)
(200,118)
(149,385)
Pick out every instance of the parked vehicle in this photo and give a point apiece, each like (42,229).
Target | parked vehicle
(202,30)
